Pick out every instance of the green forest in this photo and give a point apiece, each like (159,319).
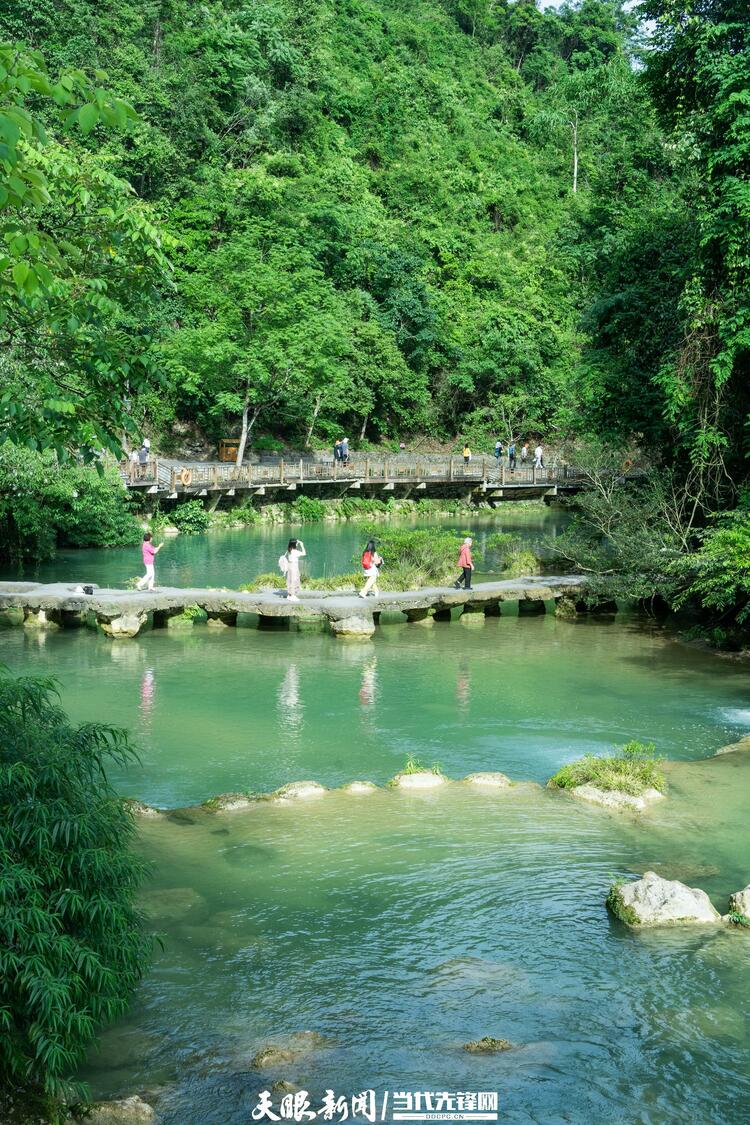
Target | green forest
(461,218)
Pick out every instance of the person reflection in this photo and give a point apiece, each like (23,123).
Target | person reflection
(288,701)
(148,684)
(368,689)
(463,685)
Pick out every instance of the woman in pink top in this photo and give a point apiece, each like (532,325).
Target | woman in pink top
(464,561)
(149,554)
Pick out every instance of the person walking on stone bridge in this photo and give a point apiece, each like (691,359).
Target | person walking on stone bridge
(466,564)
(371,563)
(149,552)
(294,552)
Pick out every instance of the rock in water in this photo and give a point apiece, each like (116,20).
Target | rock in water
(487,1046)
(299,791)
(422,779)
(653,901)
(614,799)
(490,780)
(124,1111)
(739,902)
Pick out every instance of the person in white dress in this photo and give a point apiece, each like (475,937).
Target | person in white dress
(294,552)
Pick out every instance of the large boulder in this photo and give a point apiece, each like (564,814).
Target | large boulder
(125,625)
(124,1111)
(357,625)
(614,799)
(653,901)
(739,902)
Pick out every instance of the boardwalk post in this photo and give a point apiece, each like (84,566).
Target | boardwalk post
(335,468)
(215,476)
(533,474)
(281,471)
(367,468)
(173,480)
(386,471)
(484,471)
(450,475)
(301,470)
(502,474)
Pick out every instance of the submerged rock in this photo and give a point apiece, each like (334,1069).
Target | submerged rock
(490,780)
(739,902)
(299,791)
(488,1045)
(171,904)
(124,1111)
(734,747)
(228,802)
(614,799)
(138,808)
(297,1046)
(359,787)
(422,779)
(653,901)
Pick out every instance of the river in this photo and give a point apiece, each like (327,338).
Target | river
(399,926)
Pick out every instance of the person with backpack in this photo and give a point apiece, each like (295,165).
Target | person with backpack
(466,564)
(467,454)
(498,452)
(289,566)
(512,456)
(371,563)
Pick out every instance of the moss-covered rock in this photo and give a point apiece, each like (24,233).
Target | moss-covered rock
(487,1046)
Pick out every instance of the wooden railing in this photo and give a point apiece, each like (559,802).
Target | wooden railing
(176,476)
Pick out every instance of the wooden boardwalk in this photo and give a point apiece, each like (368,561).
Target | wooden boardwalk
(124,613)
(170,479)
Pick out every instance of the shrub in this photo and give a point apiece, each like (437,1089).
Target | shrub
(632,770)
(273,580)
(307,509)
(417,557)
(72,946)
(44,503)
(191,517)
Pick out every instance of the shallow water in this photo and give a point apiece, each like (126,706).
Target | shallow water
(399,926)
(402,925)
(243,709)
(234,556)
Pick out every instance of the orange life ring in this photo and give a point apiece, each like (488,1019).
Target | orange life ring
(186,477)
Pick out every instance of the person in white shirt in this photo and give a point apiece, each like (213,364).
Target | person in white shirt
(294,552)
(539,457)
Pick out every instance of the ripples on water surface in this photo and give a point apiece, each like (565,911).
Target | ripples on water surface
(401,926)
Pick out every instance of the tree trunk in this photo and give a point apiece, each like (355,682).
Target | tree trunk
(316,412)
(365,420)
(247,429)
(574,127)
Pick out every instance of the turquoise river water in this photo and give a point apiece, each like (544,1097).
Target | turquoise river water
(400,925)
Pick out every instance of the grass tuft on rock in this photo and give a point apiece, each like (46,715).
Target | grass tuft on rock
(633,769)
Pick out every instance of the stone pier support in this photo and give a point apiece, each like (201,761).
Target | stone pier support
(442,614)
(530,606)
(472,614)
(493,609)
(419,616)
(125,625)
(13,615)
(575,607)
(359,625)
(41,619)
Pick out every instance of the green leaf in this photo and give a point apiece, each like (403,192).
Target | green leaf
(88,117)
(20,272)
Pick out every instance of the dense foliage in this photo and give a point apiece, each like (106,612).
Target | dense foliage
(44,505)
(72,947)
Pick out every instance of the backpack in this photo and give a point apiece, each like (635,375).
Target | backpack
(283,563)
(367,560)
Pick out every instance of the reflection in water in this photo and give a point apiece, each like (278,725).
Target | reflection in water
(148,684)
(368,689)
(288,702)
(463,686)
